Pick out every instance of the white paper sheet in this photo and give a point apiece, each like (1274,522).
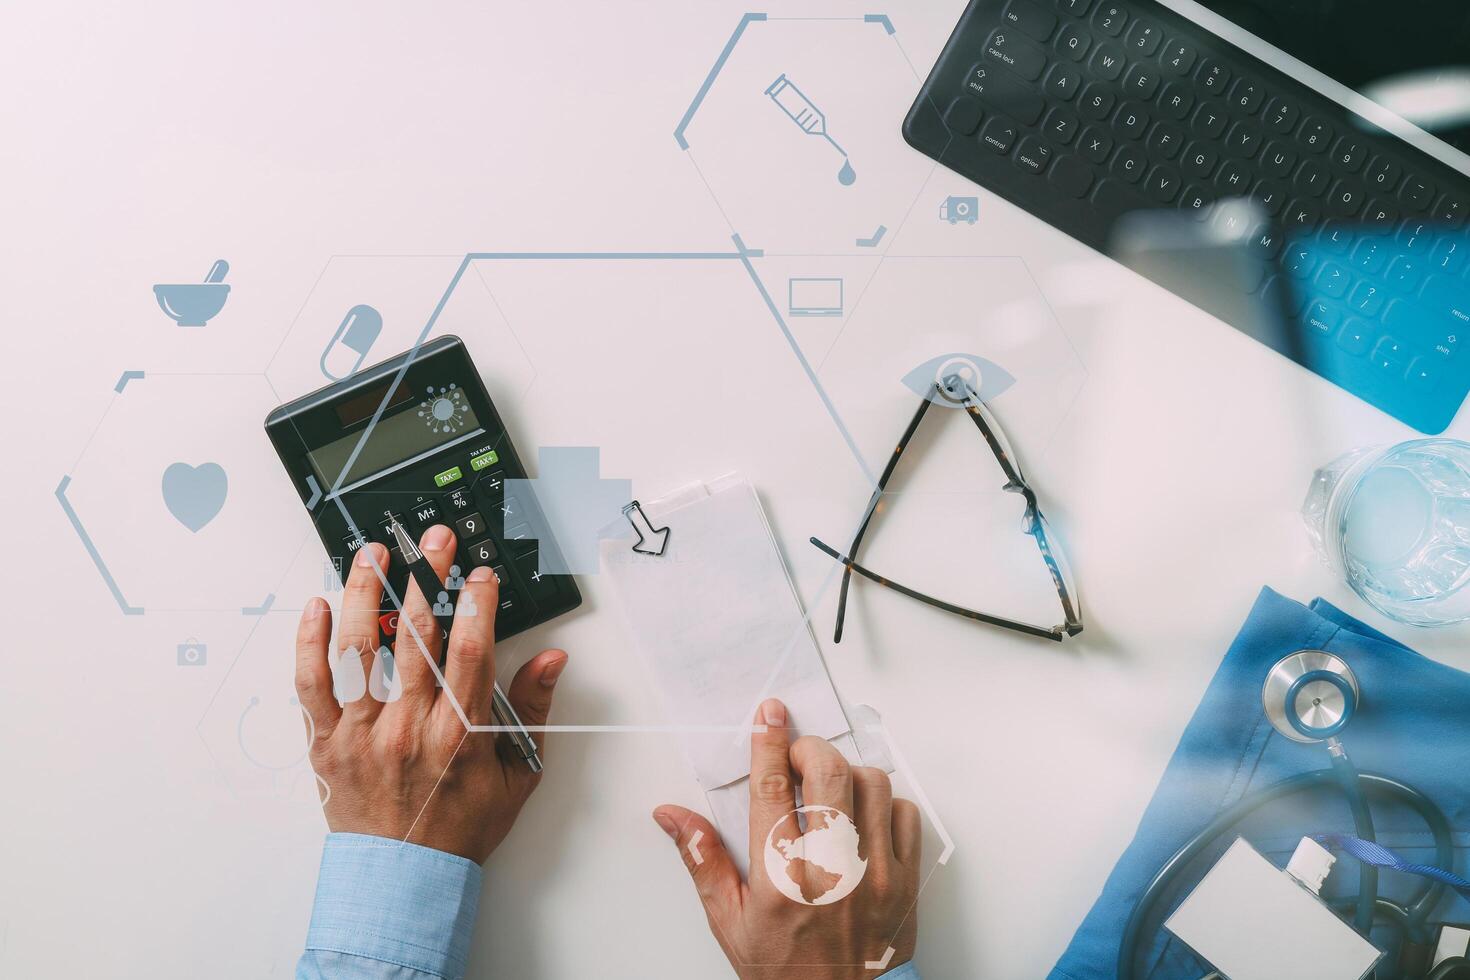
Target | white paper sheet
(718,625)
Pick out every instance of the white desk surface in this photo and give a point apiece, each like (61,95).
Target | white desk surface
(338,153)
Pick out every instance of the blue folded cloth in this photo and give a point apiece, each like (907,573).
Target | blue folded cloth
(1413,725)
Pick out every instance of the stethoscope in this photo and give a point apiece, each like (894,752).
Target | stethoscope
(277,770)
(1309,697)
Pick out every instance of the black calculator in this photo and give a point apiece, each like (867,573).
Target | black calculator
(437,454)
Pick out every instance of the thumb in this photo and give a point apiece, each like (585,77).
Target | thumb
(530,694)
(716,878)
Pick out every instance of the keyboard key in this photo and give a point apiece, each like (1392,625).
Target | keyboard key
(1405,273)
(502,578)
(1032,155)
(1005,93)
(1209,121)
(519,539)
(1316,134)
(1366,298)
(1166,140)
(1332,279)
(1243,141)
(482,553)
(1132,120)
(1095,145)
(1061,125)
(1346,198)
(470,527)
(1383,175)
(1265,243)
(1231,225)
(1097,100)
(1282,115)
(1113,197)
(1321,317)
(1389,349)
(998,135)
(1246,96)
(963,115)
(1162,184)
(540,584)
(1144,38)
(1356,337)
(1337,237)
(1110,19)
(1030,19)
(1451,208)
(1448,257)
(1196,201)
(1020,55)
(1380,212)
(459,501)
(491,486)
(1073,42)
(1176,101)
(1063,82)
(1271,195)
(1369,255)
(1141,82)
(1310,179)
(1200,160)
(1349,154)
(1299,261)
(1232,179)
(1423,373)
(1177,58)
(510,605)
(352,542)
(1129,163)
(1070,176)
(1277,159)
(1074,7)
(1213,77)
(1415,193)
(1416,237)
(1302,215)
(1107,62)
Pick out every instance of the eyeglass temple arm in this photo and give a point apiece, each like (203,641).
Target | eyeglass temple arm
(857,540)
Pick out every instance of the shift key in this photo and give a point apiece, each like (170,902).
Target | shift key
(1009,48)
(1006,93)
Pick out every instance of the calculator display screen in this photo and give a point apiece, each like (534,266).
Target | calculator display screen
(442,417)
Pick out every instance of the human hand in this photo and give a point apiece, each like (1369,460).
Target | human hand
(411,769)
(765,934)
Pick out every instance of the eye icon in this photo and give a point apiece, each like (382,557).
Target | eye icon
(949,378)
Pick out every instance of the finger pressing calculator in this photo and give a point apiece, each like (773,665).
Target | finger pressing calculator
(437,454)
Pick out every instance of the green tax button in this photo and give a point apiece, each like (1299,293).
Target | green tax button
(447,477)
(483,460)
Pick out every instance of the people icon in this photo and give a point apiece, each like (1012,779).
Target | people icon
(455,579)
(467,605)
(443,607)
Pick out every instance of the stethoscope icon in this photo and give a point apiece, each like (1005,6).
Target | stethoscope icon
(280,771)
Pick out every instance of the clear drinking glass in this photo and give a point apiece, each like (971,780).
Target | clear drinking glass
(1395,522)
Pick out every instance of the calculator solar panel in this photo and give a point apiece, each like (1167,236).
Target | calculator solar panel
(1092,115)
(438,454)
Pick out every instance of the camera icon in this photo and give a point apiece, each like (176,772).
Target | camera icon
(192,653)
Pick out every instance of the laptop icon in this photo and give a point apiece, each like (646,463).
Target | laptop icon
(814,296)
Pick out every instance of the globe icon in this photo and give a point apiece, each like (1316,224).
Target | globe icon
(819,866)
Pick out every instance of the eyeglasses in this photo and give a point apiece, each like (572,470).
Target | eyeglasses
(955,390)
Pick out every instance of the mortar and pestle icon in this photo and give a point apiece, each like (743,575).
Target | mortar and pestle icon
(191,304)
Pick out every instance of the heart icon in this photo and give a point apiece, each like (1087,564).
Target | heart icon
(194,494)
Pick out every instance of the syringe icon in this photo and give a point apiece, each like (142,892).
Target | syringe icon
(800,110)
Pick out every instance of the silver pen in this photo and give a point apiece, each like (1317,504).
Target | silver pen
(429,584)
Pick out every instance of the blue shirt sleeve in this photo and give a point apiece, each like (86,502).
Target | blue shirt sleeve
(386,910)
(906,972)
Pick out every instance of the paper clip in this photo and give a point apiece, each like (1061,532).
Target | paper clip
(645,530)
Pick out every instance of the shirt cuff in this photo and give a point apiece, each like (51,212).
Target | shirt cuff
(400,903)
(905,972)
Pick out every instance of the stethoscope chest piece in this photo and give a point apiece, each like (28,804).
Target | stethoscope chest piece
(1310,696)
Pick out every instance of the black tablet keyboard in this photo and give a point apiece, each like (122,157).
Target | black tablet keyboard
(1082,112)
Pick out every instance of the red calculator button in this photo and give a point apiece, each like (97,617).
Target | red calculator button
(388,623)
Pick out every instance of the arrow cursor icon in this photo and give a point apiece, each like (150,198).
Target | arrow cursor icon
(651,540)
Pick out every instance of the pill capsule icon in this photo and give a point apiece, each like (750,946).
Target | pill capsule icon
(349,346)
